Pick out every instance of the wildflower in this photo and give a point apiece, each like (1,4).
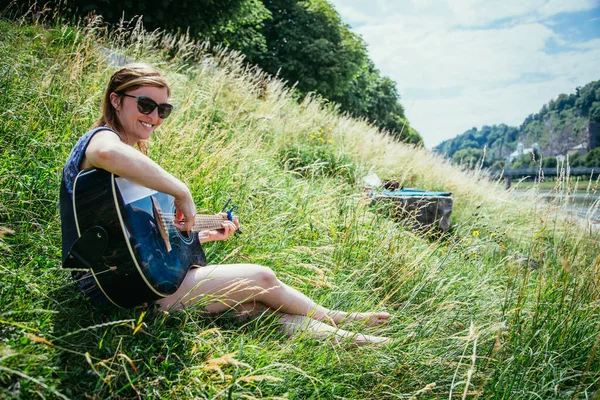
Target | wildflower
(475,233)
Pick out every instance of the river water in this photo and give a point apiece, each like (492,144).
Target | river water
(585,206)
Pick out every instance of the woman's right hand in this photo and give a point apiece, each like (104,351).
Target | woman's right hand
(185,211)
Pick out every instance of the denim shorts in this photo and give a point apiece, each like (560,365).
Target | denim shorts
(90,289)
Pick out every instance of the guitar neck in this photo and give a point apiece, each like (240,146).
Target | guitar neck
(208,222)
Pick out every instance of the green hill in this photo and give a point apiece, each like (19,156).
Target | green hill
(506,305)
(561,125)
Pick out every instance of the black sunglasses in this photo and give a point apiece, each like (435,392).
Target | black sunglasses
(146,105)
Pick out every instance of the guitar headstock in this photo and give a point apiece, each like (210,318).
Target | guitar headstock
(230,211)
(230,215)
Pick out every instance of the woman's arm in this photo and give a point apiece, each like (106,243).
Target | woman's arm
(106,151)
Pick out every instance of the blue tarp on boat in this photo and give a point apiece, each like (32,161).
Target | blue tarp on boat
(415,193)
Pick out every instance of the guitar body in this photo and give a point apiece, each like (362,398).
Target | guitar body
(145,258)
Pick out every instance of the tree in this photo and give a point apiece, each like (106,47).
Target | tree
(595,112)
(587,96)
(470,157)
(549,162)
(375,97)
(592,159)
(307,43)
(499,165)
(236,23)
(242,31)
(576,160)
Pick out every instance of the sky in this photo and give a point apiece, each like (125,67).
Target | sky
(460,64)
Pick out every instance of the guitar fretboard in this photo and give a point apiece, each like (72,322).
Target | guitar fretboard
(207,222)
(202,222)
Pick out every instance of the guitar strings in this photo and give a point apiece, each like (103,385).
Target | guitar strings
(202,222)
(171,228)
(200,216)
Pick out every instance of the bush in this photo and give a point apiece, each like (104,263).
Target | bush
(576,160)
(549,162)
(312,161)
(499,165)
(592,159)
(471,157)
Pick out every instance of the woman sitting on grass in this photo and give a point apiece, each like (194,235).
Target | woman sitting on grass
(135,104)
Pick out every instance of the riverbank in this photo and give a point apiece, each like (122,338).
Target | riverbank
(581,206)
(574,183)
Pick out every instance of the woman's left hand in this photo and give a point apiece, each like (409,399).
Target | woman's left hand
(228,227)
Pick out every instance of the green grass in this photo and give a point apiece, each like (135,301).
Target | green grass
(506,305)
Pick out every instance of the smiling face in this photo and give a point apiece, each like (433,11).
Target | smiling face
(136,126)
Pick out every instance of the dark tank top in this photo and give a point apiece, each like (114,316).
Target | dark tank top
(71,169)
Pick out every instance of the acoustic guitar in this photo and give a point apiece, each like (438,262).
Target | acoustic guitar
(128,241)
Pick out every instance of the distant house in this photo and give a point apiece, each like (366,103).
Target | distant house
(580,149)
(522,150)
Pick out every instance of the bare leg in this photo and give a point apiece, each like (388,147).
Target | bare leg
(251,309)
(251,289)
(293,324)
(223,287)
(300,324)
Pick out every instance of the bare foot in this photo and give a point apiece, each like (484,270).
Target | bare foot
(363,340)
(293,324)
(368,318)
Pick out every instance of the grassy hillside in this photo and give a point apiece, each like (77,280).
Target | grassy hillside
(507,305)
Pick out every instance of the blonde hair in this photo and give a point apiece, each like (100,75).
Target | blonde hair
(130,77)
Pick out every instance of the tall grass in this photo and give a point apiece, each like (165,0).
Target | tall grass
(506,305)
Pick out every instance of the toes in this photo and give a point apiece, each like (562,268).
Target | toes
(374,341)
(369,318)
(383,316)
(378,319)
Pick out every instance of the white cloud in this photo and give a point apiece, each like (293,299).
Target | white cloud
(441,57)
(351,15)
(593,44)
(430,46)
(483,12)
(554,7)
(461,12)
